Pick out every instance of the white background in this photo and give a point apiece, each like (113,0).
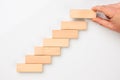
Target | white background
(95,55)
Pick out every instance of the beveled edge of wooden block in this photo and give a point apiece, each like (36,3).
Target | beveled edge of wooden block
(49,58)
(95,14)
(76,34)
(18,64)
(45,45)
(64,30)
(41,47)
(82,22)
(36,56)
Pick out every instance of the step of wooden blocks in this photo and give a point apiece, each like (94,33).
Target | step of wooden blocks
(56,42)
(47,51)
(29,68)
(82,13)
(74,25)
(38,59)
(65,34)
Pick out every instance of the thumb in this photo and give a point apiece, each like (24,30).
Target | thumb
(104,23)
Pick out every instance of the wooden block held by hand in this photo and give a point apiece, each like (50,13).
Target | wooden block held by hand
(47,51)
(74,25)
(82,13)
(38,59)
(29,68)
(56,42)
(65,34)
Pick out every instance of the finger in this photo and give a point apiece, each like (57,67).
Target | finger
(117,30)
(104,23)
(106,10)
(117,6)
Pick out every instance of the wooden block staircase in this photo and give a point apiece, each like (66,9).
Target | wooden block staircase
(52,47)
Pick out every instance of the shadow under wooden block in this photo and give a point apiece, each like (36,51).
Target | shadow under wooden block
(47,51)
(82,13)
(56,42)
(65,34)
(74,25)
(25,68)
(38,59)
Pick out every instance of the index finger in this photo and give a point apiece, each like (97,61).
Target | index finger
(104,9)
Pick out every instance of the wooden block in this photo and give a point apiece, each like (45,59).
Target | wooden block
(65,34)
(76,13)
(56,42)
(29,67)
(38,59)
(74,25)
(47,51)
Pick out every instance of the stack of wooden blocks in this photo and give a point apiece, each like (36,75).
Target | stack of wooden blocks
(52,47)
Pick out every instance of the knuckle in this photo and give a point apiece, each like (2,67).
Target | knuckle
(102,7)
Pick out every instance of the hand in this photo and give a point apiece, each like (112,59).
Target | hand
(112,11)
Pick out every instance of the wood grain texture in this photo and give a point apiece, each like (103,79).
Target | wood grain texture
(77,13)
(74,25)
(65,34)
(47,51)
(56,42)
(38,59)
(29,68)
